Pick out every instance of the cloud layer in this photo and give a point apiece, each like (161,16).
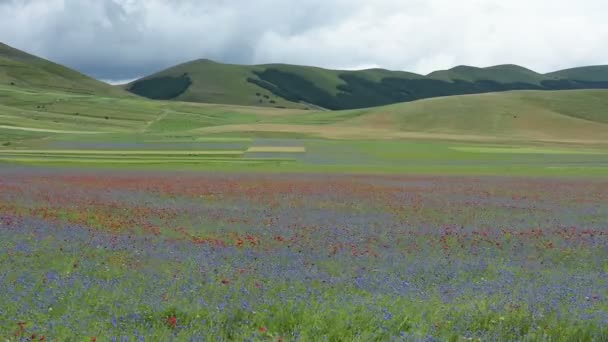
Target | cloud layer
(121,39)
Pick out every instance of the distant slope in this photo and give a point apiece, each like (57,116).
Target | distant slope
(578,115)
(281,85)
(504,74)
(573,116)
(208,82)
(598,73)
(23,70)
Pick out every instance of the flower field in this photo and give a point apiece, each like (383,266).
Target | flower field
(157,256)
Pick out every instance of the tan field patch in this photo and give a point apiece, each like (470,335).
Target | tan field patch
(346,131)
(277,149)
(341,132)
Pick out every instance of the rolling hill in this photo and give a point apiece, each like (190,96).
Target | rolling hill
(22,70)
(292,86)
(41,98)
(597,73)
(572,116)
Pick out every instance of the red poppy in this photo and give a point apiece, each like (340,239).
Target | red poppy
(172,321)
(263,329)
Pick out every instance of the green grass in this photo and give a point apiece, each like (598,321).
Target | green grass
(524,150)
(598,73)
(27,71)
(221,83)
(526,133)
(326,156)
(499,73)
(522,115)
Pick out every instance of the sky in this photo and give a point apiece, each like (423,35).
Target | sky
(118,40)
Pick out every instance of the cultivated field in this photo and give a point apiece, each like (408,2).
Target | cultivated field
(129,255)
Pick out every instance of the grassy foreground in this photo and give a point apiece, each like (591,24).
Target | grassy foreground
(159,256)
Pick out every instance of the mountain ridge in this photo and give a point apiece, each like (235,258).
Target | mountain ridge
(294,86)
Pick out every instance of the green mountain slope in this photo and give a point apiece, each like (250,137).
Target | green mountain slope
(571,116)
(519,115)
(209,82)
(574,116)
(598,73)
(501,73)
(23,70)
(293,86)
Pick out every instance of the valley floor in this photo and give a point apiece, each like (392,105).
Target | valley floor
(466,218)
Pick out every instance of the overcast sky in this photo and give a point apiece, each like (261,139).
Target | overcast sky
(124,39)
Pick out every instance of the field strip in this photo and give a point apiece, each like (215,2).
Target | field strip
(277,149)
(122,157)
(223,139)
(524,150)
(38,159)
(46,130)
(117,152)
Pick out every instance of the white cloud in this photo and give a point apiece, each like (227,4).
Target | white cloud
(116,39)
(119,82)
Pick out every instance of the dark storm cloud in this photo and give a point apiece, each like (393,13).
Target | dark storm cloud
(121,39)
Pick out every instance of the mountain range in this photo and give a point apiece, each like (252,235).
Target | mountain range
(292,86)
(40,98)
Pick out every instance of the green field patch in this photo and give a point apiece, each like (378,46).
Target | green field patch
(123,153)
(223,139)
(276,149)
(142,161)
(123,157)
(44,130)
(523,150)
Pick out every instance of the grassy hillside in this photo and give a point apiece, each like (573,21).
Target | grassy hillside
(23,70)
(208,82)
(523,132)
(578,116)
(43,114)
(598,73)
(574,116)
(568,116)
(501,73)
(293,86)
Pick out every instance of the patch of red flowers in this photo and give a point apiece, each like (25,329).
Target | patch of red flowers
(172,322)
